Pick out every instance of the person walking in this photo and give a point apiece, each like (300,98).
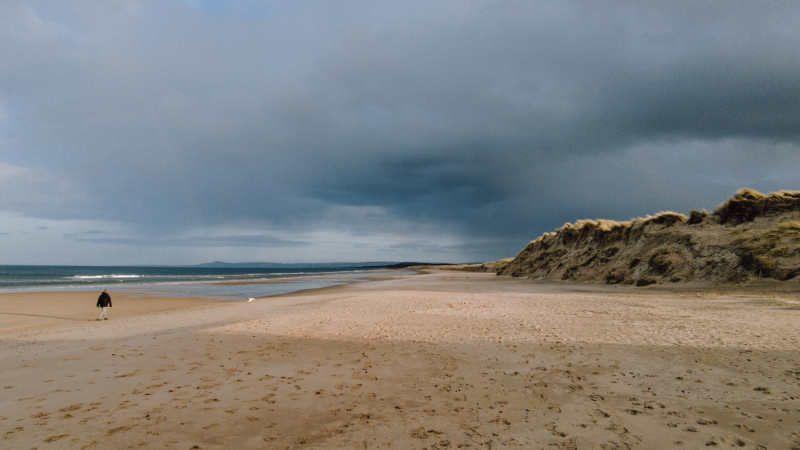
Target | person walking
(104,301)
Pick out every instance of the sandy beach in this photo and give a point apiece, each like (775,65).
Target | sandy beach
(439,360)
(41,309)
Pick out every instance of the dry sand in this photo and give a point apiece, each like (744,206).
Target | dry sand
(435,361)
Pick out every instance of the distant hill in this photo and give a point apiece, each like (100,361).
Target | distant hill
(750,235)
(333,265)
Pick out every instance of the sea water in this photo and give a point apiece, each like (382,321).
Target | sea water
(217,283)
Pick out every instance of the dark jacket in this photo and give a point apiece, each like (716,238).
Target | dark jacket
(104,300)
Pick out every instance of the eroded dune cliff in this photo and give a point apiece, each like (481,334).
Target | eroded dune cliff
(750,235)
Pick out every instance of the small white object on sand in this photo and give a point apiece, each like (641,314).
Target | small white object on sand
(251,299)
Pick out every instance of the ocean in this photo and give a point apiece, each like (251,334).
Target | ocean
(213,283)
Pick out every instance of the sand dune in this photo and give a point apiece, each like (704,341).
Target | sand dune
(434,361)
(748,237)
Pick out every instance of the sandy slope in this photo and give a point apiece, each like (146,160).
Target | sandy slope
(441,360)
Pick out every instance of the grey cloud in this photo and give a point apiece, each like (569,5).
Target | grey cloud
(257,241)
(84,233)
(37,192)
(424,247)
(448,252)
(490,121)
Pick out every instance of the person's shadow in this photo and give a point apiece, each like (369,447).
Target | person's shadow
(40,315)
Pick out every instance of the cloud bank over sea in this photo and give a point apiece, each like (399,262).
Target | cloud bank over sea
(185,132)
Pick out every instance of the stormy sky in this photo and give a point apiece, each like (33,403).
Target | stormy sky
(182,132)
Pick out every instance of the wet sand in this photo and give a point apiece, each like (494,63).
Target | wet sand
(434,361)
(32,309)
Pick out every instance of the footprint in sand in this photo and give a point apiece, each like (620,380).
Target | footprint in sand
(72,408)
(733,441)
(617,429)
(114,431)
(502,422)
(551,427)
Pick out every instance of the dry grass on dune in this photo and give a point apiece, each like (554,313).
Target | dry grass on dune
(748,204)
(750,235)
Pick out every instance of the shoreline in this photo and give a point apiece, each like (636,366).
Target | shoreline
(37,309)
(227,290)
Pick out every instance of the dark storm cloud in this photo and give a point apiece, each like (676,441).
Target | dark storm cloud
(493,121)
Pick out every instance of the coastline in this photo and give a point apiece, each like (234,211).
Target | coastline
(21,310)
(437,360)
(223,286)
